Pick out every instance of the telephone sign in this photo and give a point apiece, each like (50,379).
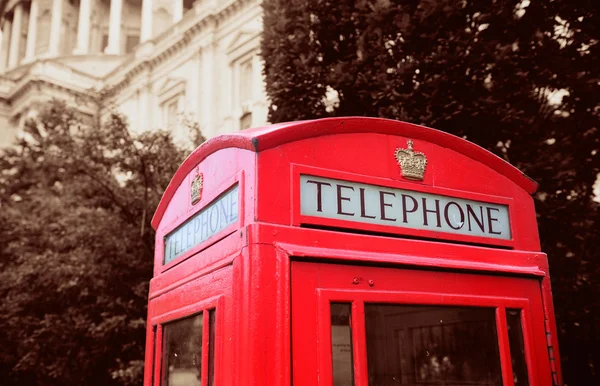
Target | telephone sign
(355,202)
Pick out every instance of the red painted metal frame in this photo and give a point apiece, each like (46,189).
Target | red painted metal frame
(504,347)
(249,266)
(342,247)
(204,306)
(298,218)
(157,370)
(359,298)
(210,291)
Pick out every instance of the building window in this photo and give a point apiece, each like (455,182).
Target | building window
(246,81)
(246,121)
(104,42)
(171,110)
(131,42)
(171,99)
(187,5)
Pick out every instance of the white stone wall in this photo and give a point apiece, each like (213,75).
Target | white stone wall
(204,79)
(199,63)
(8,130)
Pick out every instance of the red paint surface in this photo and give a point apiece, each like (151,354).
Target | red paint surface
(266,274)
(264,138)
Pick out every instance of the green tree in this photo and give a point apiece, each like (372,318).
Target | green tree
(489,71)
(77,249)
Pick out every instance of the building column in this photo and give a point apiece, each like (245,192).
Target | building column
(208,81)
(83,28)
(177,10)
(114,28)
(5,44)
(147,14)
(15,36)
(146,109)
(55,24)
(32,31)
(197,83)
(259,96)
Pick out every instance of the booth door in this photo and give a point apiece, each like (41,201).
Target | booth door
(359,325)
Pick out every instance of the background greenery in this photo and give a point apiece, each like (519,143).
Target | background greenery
(490,71)
(77,249)
(76,200)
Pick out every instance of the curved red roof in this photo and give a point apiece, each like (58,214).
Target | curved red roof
(262,138)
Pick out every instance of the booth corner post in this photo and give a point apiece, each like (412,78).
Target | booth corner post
(348,251)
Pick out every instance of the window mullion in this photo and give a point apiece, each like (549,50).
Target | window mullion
(504,346)
(204,365)
(359,344)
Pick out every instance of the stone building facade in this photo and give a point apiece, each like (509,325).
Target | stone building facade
(156,61)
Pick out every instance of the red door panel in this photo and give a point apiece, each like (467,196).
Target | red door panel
(357,325)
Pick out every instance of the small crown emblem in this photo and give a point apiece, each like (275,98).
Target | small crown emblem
(196,188)
(412,163)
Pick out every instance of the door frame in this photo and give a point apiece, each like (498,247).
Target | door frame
(357,294)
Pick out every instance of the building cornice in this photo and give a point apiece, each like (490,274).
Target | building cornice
(29,82)
(47,71)
(21,71)
(6,85)
(31,92)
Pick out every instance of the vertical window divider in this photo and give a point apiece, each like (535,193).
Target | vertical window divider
(204,365)
(153,354)
(158,349)
(212,347)
(504,347)
(357,321)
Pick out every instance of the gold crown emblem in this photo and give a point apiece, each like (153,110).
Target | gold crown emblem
(196,188)
(412,163)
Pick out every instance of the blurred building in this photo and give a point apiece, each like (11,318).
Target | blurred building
(156,61)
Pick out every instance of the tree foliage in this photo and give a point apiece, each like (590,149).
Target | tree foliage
(489,71)
(76,249)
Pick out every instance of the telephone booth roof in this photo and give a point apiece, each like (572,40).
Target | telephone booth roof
(263,138)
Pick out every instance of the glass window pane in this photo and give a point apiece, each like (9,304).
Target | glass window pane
(182,352)
(432,345)
(211,347)
(517,347)
(341,344)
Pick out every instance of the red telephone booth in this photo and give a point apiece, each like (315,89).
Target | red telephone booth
(348,251)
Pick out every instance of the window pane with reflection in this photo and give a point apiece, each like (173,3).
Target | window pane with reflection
(341,344)
(182,352)
(431,345)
